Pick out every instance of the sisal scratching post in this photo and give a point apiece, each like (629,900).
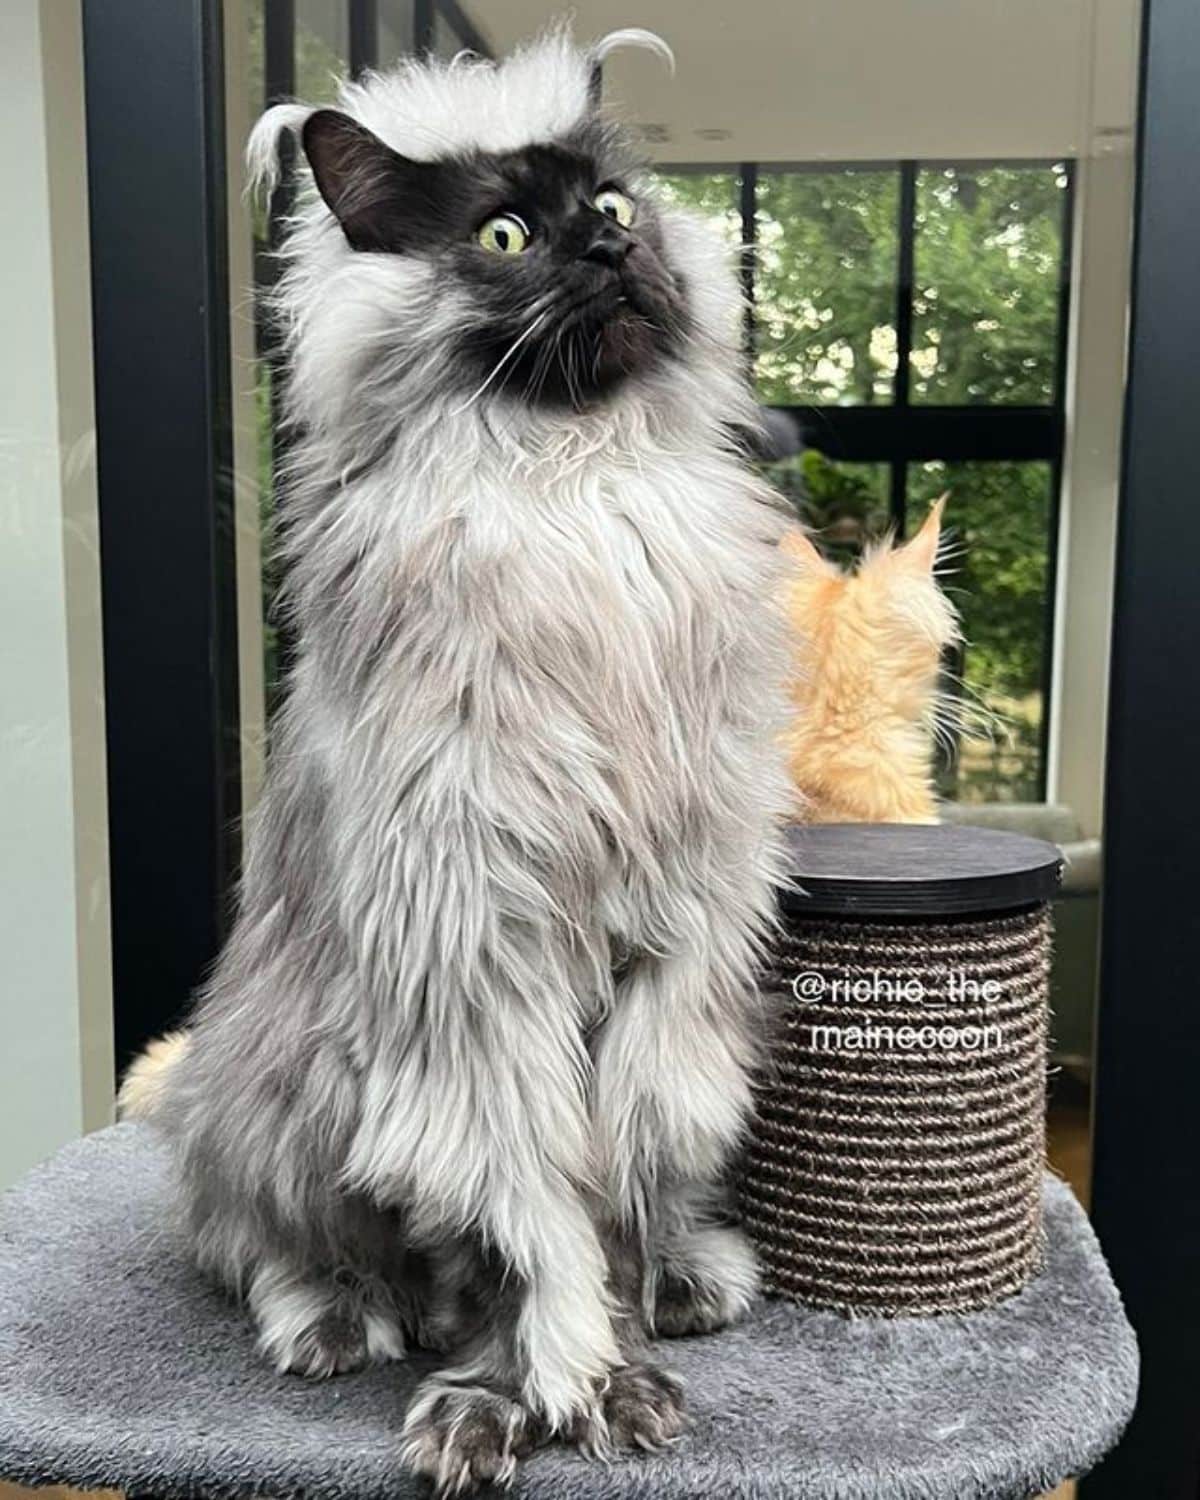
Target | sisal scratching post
(896,1162)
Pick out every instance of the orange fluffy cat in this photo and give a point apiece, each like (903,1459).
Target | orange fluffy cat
(868,648)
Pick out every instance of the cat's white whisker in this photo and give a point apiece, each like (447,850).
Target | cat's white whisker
(502,361)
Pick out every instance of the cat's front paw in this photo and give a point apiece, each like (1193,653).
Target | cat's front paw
(640,1406)
(464,1436)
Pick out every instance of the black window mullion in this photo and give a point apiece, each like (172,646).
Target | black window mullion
(423,31)
(279,86)
(918,434)
(279,50)
(748,204)
(906,237)
(364,36)
(464,28)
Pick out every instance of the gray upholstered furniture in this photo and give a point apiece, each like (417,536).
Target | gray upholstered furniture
(1074,972)
(120,1367)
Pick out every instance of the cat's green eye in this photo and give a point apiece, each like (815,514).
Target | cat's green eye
(504,234)
(615,205)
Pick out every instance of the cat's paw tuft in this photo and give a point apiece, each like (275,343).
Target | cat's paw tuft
(713,1284)
(640,1406)
(464,1436)
(322,1326)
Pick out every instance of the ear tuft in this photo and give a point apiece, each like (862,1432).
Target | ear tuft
(262,148)
(632,36)
(920,553)
(801,547)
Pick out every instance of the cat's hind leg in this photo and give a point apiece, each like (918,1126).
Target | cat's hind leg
(319,1323)
(702,1273)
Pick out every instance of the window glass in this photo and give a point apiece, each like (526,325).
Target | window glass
(998,518)
(825,286)
(988,266)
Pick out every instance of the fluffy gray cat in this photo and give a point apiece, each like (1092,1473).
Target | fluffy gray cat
(478,1050)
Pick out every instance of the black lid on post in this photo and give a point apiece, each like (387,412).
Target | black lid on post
(915,870)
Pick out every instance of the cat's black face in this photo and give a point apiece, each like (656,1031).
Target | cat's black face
(564,264)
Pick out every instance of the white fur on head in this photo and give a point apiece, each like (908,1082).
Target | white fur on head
(262,148)
(429,108)
(346,315)
(633,36)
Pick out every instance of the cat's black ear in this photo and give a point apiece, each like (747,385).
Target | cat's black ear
(378,196)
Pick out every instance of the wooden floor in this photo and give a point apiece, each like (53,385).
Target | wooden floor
(14,1492)
(1068,1144)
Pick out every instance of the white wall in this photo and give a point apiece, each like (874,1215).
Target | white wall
(55,987)
(1095,400)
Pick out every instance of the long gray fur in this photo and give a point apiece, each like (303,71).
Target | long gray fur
(483,1031)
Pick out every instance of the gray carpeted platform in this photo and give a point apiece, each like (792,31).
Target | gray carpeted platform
(119,1367)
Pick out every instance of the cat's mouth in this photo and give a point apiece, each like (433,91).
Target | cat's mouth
(628,322)
(594,336)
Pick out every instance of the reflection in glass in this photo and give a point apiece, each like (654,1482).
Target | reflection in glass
(845,504)
(998,517)
(825,286)
(987,279)
(322,49)
(714,194)
(395,30)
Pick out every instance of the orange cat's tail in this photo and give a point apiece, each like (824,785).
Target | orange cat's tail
(143,1086)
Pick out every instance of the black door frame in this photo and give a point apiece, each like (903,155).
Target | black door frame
(1146,1165)
(154,78)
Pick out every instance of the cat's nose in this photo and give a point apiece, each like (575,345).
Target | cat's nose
(609,245)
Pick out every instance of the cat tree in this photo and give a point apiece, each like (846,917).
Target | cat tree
(121,1368)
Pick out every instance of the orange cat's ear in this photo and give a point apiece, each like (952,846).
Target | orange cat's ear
(800,545)
(920,554)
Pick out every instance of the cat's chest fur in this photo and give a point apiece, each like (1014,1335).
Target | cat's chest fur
(625,574)
(596,639)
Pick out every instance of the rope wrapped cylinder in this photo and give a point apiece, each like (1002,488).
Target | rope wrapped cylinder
(895,1166)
